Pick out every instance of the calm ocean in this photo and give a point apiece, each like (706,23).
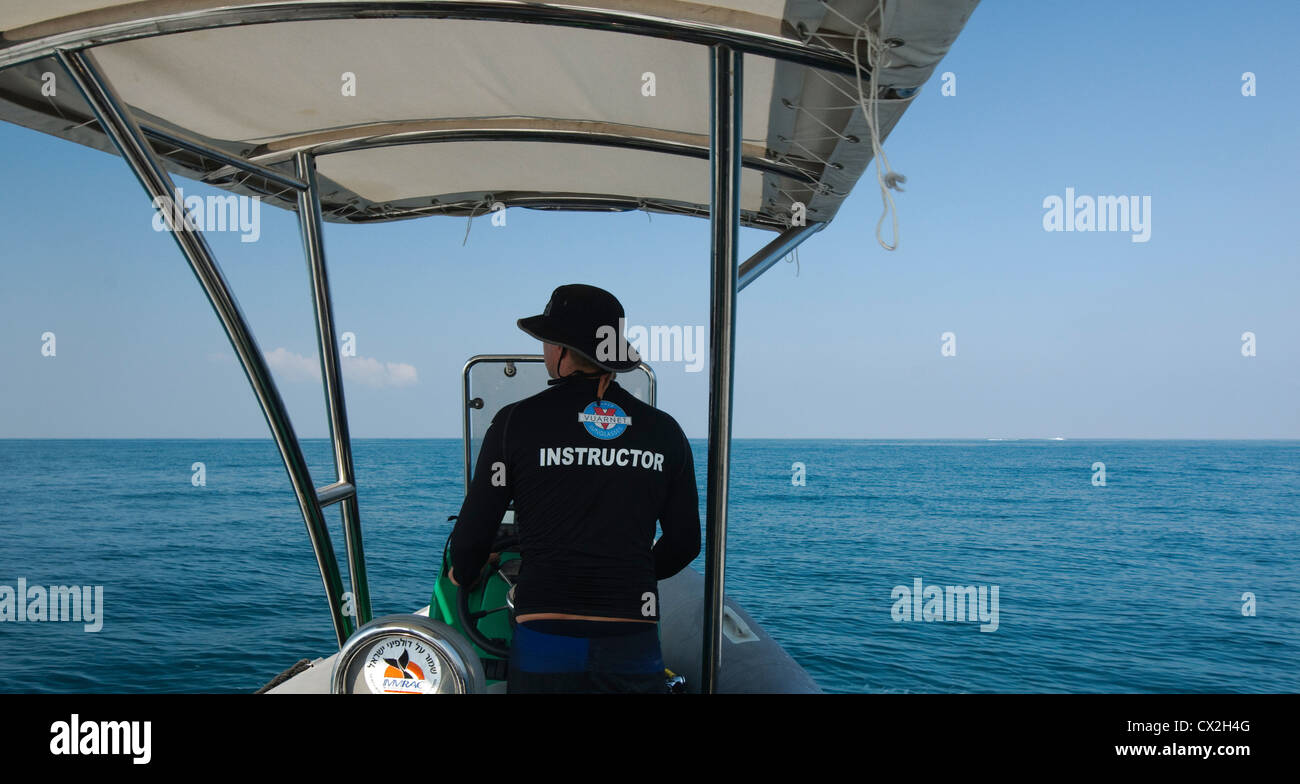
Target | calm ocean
(1135,586)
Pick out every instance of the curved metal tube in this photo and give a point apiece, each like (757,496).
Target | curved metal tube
(369,138)
(737,39)
(122,129)
(313,241)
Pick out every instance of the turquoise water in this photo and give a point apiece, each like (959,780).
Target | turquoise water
(1134,586)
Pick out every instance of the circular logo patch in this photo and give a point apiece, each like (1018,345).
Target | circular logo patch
(401,666)
(604,419)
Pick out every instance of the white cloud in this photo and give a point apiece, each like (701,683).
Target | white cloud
(293,367)
(373,373)
(289,366)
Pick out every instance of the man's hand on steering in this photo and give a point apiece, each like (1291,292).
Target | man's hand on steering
(492,560)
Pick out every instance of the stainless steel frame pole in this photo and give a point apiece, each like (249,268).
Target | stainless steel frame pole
(223,157)
(313,241)
(774,251)
(725,98)
(118,124)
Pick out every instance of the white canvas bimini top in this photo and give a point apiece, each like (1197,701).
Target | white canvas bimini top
(418,108)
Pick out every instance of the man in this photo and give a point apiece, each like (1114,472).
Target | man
(590,469)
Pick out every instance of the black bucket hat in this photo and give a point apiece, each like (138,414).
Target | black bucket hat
(588,321)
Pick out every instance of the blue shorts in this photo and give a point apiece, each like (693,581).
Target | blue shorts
(586,657)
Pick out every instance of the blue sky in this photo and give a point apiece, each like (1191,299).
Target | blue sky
(1078,335)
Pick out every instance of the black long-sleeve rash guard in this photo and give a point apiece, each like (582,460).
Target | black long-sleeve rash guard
(589,478)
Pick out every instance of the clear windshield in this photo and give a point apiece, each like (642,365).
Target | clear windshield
(492,382)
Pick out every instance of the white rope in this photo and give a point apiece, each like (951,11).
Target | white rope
(787,194)
(470,221)
(810,153)
(793,256)
(839,89)
(824,138)
(818,120)
(818,189)
(56,108)
(886,177)
(785,157)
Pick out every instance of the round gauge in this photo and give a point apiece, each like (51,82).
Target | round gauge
(407,654)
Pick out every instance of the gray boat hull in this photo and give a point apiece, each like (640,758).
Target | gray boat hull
(752,662)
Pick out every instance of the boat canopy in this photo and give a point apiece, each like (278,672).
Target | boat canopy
(748,112)
(457,108)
